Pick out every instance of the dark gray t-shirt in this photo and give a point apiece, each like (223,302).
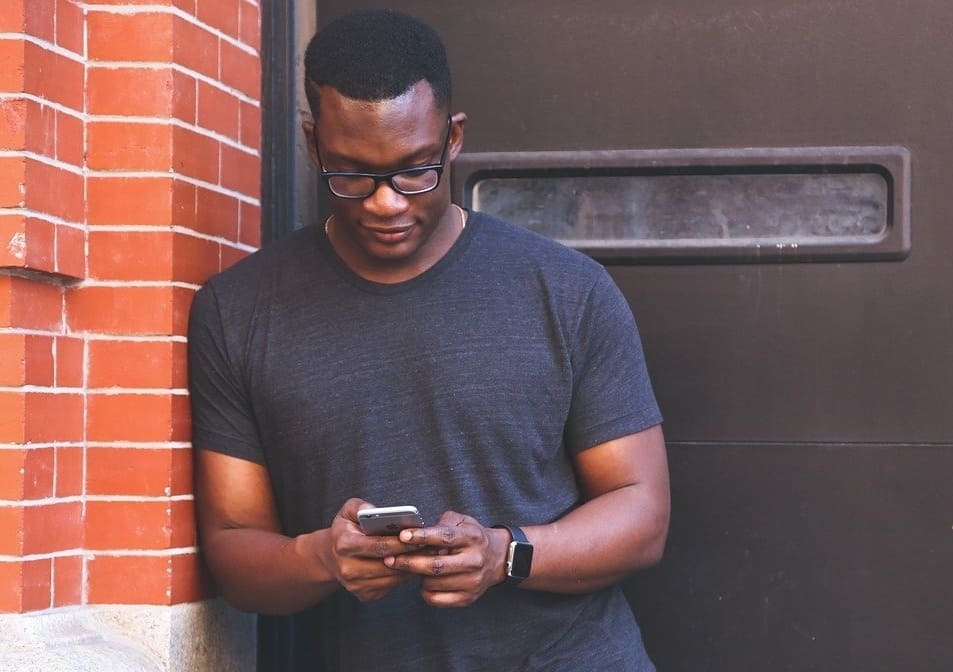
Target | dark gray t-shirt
(467,388)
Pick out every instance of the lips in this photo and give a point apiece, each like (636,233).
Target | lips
(390,235)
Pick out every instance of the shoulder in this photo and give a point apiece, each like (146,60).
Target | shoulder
(272,273)
(277,262)
(509,243)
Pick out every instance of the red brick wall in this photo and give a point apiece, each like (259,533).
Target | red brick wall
(129,172)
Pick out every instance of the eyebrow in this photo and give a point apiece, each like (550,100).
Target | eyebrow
(412,160)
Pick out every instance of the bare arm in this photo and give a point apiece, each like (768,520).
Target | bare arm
(621,526)
(257,568)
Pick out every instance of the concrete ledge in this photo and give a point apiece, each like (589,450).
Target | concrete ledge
(117,638)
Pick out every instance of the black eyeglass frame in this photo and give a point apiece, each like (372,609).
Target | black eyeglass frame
(327,175)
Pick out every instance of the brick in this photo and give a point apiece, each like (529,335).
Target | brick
(70,139)
(195,259)
(184,204)
(41,129)
(13,122)
(187,6)
(130,255)
(13,250)
(11,529)
(138,37)
(182,524)
(13,184)
(113,145)
(30,304)
(216,214)
(11,586)
(182,471)
(12,423)
(251,125)
(12,19)
(12,70)
(139,472)
(241,70)
(70,471)
(218,111)
(128,525)
(40,243)
(250,227)
(50,528)
(232,255)
(147,311)
(40,19)
(190,581)
(118,201)
(224,15)
(70,26)
(54,417)
(54,191)
(13,361)
(137,417)
(196,155)
(67,580)
(135,364)
(54,76)
(38,473)
(184,97)
(195,48)
(40,364)
(143,91)
(129,579)
(251,25)
(70,251)
(37,580)
(241,171)
(70,364)
(12,473)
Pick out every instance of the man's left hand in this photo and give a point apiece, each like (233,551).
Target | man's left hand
(462,559)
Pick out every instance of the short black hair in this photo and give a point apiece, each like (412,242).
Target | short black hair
(376,54)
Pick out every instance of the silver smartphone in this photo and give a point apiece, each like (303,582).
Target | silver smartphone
(389,520)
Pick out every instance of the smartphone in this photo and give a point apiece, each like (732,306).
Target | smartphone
(389,520)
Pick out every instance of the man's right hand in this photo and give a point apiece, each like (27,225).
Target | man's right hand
(355,559)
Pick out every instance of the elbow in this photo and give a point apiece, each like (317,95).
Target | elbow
(652,547)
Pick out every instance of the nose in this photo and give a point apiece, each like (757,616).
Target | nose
(384,201)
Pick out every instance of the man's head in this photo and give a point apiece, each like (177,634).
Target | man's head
(383,138)
(374,55)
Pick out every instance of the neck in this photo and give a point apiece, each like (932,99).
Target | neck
(359,256)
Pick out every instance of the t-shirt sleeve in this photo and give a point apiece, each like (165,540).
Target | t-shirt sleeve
(612,393)
(222,417)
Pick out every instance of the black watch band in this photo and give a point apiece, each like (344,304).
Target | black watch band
(519,556)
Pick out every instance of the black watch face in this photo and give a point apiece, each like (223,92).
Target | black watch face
(522,560)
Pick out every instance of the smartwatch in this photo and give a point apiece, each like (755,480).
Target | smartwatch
(519,557)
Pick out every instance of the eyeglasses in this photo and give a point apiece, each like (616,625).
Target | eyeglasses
(407,181)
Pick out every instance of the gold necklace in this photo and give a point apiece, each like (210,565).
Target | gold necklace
(463,220)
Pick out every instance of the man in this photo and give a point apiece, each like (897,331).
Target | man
(407,352)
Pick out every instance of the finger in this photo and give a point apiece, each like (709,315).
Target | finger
(349,509)
(440,536)
(447,598)
(426,564)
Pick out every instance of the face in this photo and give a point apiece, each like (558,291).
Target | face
(388,236)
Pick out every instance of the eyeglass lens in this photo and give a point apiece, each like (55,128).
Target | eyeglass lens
(405,182)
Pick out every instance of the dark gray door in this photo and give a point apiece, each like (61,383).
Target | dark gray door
(804,373)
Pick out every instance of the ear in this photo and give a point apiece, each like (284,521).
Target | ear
(458,121)
(311,140)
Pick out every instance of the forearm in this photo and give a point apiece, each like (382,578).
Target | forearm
(267,572)
(599,543)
